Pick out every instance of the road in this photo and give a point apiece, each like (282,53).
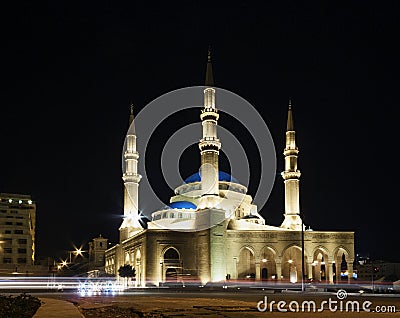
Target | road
(236,303)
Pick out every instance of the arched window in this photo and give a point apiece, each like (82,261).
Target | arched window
(171,255)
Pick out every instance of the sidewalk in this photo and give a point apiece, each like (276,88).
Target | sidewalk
(54,308)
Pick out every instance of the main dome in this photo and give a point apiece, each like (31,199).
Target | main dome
(182,205)
(222,176)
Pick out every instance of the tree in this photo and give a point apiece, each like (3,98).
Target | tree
(126,271)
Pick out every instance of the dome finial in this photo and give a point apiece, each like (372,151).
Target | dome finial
(209,53)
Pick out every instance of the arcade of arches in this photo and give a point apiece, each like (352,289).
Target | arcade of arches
(169,256)
(268,265)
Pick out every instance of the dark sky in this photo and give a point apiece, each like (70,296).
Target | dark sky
(70,69)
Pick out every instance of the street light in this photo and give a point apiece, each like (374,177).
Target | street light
(77,252)
(302,252)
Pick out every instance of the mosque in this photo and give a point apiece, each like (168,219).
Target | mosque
(212,232)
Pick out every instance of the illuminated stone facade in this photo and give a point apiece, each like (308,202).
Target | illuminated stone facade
(17,233)
(212,231)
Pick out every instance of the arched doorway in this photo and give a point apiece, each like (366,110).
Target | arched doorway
(246,264)
(172,265)
(320,266)
(344,273)
(264,274)
(267,264)
(292,264)
(342,265)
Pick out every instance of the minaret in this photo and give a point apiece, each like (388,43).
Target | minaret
(209,145)
(131,179)
(291,177)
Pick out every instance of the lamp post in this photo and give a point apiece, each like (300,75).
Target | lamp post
(373,272)
(302,252)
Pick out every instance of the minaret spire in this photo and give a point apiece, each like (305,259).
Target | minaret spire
(131,179)
(131,117)
(290,123)
(209,73)
(291,177)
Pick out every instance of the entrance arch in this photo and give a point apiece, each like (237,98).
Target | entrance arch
(246,264)
(171,265)
(320,266)
(291,264)
(267,264)
(264,274)
(343,266)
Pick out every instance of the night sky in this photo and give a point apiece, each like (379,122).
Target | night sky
(71,68)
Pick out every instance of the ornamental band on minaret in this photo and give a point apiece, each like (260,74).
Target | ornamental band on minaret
(291,176)
(131,180)
(210,144)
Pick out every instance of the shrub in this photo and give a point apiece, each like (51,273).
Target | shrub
(22,306)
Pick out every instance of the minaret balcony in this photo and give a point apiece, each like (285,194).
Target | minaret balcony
(131,177)
(210,144)
(131,155)
(287,175)
(209,113)
(291,151)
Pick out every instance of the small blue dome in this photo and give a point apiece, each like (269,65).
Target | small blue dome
(182,205)
(223,176)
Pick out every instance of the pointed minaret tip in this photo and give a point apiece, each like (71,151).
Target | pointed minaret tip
(290,123)
(209,74)
(131,118)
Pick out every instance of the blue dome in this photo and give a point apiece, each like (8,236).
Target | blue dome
(223,176)
(182,205)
